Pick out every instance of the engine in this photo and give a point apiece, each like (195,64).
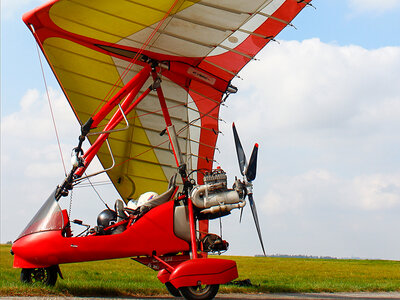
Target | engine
(214,198)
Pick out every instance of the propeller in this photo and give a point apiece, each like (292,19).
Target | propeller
(249,174)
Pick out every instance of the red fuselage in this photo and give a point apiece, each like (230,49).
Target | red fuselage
(152,234)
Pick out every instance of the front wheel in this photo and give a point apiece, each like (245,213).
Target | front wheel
(47,276)
(200,292)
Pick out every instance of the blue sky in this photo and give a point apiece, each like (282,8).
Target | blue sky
(347,23)
(324,105)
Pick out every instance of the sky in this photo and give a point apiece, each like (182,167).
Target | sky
(323,103)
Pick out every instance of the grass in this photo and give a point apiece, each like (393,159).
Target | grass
(315,275)
(125,278)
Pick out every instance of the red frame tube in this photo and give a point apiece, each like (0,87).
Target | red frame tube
(167,119)
(163,103)
(127,106)
(168,122)
(124,91)
(167,266)
(192,229)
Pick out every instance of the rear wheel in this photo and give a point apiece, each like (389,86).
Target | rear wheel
(199,292)
(172,290)
(47,276)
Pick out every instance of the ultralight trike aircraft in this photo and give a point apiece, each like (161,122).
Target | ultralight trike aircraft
(146,80)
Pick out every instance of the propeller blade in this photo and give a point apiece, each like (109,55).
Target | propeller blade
(239,151)
(252,167)
(255,217)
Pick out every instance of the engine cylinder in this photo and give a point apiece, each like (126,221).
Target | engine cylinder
(202,197)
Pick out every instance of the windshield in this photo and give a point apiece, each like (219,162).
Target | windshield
(49,217)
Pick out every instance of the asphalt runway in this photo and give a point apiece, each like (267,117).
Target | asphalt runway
(309,296)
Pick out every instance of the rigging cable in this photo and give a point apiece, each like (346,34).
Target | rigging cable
(51,111)
(135,58)
(97,193)
(199,118)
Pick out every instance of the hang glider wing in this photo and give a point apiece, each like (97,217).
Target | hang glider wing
(90,43)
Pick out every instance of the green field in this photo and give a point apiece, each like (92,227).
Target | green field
(124,277)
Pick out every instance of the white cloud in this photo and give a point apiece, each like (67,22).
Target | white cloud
(311,85)
(313,105)
(373,5)
(376,192)
(295,194)
(322,190)
(33,121)
(29,142)
(29,145)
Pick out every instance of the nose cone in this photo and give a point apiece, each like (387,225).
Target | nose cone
(35,250)
(19,249)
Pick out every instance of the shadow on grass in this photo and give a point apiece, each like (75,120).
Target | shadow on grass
(100,291)
(65,290)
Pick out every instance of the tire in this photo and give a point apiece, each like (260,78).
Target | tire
(172,290)
(47,276)
(201,292)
